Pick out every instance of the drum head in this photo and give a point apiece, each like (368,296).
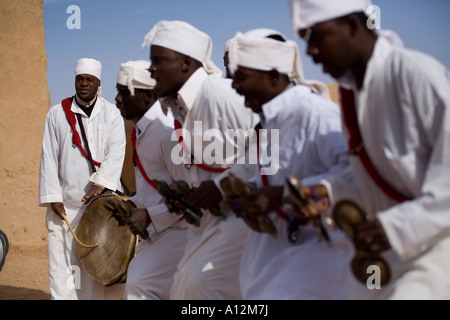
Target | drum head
(106,263)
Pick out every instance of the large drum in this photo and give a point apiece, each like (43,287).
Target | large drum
(106,263)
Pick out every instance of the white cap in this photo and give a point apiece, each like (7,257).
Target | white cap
(135,74)
(89,66)
(306,13)
(255,51)
(182,37)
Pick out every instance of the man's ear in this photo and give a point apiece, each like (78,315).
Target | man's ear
(274,77)
(186,63)
(354,24)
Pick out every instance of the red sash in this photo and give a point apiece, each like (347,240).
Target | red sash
(264,179)
(201,166)
(136,160)
(356,146)
(76,140)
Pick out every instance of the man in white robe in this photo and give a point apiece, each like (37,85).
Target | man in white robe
(267,72)
(402,100)
(67,183)
(189,83)
(150,272)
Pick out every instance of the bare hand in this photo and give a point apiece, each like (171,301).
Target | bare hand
(207,195)
(318,194)
(138,221)
(370,237)
(261,201)
(58,208)
(93,192)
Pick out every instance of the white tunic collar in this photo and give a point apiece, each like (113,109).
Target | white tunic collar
(191,87)
(146,120)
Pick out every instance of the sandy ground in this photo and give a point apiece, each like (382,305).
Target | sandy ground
(25,275)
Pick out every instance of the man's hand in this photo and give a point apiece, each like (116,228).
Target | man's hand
(369,236)
(138,221)
(206,196)
(309,201)
(261,201)
(93,192)
(58,208)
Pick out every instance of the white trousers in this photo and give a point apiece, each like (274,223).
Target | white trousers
(68,279)
(150,273)
(209,270)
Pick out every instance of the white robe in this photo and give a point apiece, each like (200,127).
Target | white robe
(64,177)
(209,268)
(311,146)
(404,118)
(150,273)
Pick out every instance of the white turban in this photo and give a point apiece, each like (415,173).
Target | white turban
(306,13)
(135,74)
(180,36)
(89,66)
(255,51)
(227,45)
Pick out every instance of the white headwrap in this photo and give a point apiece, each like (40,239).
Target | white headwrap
(89,66)
(306,13)
(135,74)
(227,45)
(180,36)
(257,33)
(255,51)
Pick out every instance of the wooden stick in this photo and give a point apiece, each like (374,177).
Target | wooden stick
(75,236)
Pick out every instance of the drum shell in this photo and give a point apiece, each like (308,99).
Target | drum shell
(108,262)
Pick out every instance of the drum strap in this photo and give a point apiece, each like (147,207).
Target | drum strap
(66,104)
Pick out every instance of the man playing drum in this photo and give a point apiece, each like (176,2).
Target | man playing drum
(66,180)
(150,273)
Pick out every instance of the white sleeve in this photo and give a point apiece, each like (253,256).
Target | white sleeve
(49,185)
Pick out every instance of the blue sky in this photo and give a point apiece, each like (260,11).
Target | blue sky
(112,31)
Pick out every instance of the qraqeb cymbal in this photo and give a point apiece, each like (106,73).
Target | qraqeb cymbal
(347,216)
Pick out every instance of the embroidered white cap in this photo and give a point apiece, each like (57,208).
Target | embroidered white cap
(89,66)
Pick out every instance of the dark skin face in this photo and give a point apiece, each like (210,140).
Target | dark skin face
(86,86)
(258,87)
(134,107)
(340,45)
(170,69)
(226,62)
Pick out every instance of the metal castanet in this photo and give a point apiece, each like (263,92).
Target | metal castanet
(306,206)
(347,216)
(234,188)
(176,199)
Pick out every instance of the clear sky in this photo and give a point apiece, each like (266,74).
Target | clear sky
(112,31)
